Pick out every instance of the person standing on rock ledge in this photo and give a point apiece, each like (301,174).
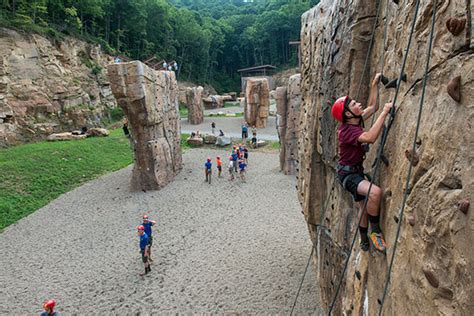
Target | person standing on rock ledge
(350,170)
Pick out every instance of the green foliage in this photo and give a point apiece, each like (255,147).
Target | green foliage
(116,113)
(38,173)
(209,39)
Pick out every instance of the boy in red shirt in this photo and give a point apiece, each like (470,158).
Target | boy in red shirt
(350,170)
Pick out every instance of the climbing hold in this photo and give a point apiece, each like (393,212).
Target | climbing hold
(413,158)
(456,26)
(432,279)
(379,301)
(411,220)
(392,83)
(446,293)
(454,88)
(384,160)
(395,218)
(396,1)
(463,205)
(357,274)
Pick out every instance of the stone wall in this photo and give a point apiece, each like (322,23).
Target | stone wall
(288,101)
(432,273)
(257,102)
(194,104)
(47,86)
(150,101)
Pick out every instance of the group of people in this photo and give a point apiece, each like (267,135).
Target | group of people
(238,161)
(245,133)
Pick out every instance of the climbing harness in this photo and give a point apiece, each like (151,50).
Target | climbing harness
(379,152)
(410,168)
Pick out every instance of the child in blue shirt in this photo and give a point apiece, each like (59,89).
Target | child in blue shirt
(208,169)
(144,248)
(147,224)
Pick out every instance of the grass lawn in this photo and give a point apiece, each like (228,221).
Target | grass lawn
(35,174)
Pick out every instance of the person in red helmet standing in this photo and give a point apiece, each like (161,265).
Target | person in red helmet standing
(147,224)
(350,170)
(48,306)
(144,248)
(208,169)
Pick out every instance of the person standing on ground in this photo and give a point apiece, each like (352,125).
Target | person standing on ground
(144,248)
(231,169)
(126,132)
(208,169)
(246,155)
(235,157)
(350,169)
(254,130)
(254,140)
(242,166)
(219,166)
(244,131)
(213,128)
(48,306)
(147,223)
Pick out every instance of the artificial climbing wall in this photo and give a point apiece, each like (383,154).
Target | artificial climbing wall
(432,272)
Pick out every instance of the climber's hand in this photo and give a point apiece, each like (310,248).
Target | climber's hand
(387,107)
(376,79)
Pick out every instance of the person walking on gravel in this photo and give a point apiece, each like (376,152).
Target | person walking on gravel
(208,170)
(235,157)
(231,168)
(144,248)
(219,166)
(350,169)
(242,166)
(245,132)
(48,306)
(147,223)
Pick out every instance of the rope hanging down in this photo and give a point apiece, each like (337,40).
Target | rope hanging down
(410,168)
(379,153)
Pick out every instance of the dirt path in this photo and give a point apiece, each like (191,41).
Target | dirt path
(219,248)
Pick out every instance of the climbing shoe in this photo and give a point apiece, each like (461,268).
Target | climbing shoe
(377,241)
(364,245)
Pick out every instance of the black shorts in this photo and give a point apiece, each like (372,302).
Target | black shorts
(150,241)
(144,258)
(219,168)
(350,182)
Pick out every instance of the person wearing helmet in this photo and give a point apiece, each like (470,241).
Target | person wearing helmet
(208,169)
(235,157)
(242,166)
(219,166)
(147,224)
(48,306)
(350,170)
(144,248)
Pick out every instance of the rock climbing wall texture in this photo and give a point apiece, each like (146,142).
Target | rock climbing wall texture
(288,101)
(149,100)
(195,107)
(432,273)
(257,102)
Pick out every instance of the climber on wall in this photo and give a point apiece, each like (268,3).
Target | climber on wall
(350,170)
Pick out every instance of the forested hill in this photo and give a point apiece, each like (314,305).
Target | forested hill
(210,39)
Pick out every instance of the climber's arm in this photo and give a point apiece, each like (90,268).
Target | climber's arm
(372,105)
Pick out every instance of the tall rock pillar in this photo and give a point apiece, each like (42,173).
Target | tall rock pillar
(257,102)
(149,99)
(195,106)
(281,102)
(290,141)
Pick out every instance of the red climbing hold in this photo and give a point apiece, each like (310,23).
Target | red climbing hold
(463,205)
(454,88)
(456,26)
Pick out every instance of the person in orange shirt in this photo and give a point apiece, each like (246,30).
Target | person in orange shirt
(219,166)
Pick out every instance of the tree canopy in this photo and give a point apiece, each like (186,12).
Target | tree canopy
(209,39)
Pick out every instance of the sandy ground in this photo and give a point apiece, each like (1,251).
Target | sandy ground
(224,248)
(231,126)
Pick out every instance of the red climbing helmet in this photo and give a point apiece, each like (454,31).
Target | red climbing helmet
(208,158)
(145,217)
(49,304)
(339,107)
(140,227)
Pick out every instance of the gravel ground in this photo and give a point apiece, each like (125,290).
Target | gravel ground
(231,127)
(224,248)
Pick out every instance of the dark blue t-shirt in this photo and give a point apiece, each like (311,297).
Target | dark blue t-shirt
(242,166)
(48,314)
(143,241)
(208,165)
(235,156)
(244,128)
(148,227)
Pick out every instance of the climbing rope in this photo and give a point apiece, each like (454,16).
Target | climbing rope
(302,280)
(379,154)
(410,168)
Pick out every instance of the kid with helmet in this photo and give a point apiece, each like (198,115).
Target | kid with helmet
(350,170)
(48,306)
(144,248)
(208,169)
(231,168)
(219,166)
(147,224)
